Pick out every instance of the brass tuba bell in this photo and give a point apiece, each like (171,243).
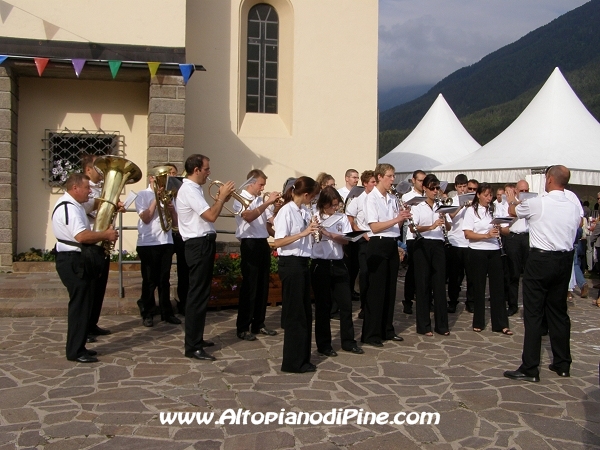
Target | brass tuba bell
(235,194)
(117,173)
(162,195)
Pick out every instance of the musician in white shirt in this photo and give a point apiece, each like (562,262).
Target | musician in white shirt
(383,216)
(255,253)
(485,261)
(351,179)
(430,261)
(294,236)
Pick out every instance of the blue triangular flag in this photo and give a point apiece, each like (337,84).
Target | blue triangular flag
(186,70)
(3,58)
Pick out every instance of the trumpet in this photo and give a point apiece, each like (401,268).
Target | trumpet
(235,194)
(444,202)
(401,205)
(278,202)
(163,196)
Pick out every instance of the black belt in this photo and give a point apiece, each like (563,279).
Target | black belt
(209,237)
(69,253)
(384,238)
(549,252)
(519,234)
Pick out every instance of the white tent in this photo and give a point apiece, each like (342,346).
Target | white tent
(555,128)
(439,138)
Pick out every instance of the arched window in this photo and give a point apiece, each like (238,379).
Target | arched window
(261,70)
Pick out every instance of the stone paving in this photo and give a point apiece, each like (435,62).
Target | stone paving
(47,402)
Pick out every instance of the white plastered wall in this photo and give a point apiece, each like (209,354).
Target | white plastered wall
(75,104)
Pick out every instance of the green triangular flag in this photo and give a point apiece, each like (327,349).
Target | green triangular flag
(114,67)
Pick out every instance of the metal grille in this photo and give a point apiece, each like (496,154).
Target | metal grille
(261,69)
(63,150)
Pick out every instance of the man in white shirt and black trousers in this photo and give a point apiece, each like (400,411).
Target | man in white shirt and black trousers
(72,229)
(195,219)
(256,258)
(553,222)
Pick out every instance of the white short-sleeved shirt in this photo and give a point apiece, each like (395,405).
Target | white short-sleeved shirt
(344,192)
(456,235)
(328,249)
(424,215)
(89,205)
(480,225)
(190,206)
(356,209)
(500,209)
(572,197)
(553,221)
(291,220)
(257,229)
(380,209)
(150,233)
(406,197)
(78,222)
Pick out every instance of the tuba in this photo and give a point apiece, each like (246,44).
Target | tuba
(117,173)
(162,195)
(235,194)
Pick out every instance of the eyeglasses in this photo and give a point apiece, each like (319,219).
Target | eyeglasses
(471,189)
(433,188)
(524,190)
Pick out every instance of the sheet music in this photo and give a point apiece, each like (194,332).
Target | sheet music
(465,198)
(415,201)
(331,220)
(130,199)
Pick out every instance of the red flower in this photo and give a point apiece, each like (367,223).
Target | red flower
(234,255)
(275,253)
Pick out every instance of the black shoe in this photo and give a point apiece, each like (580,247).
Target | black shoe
(407,310)
(512,311)
(558,372)
(335,316)
(246,336)
(469,308)
(308,367)
(355,296)
(207,343)
(97,331)
(374,344)
(91,352)
(331,353)
(397,338)
(361,314)
(172,319)
(148,321)
(90,340)
(451,309)
(201,355)
(545,332)
(356,349)
(85,359)
(516,375)
(267,332)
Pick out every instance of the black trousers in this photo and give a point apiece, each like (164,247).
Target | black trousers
(456,264)
(200,257)
(254,292)
(363,274)
(409,278)
(156,272)
(183,273)
(430,270)
(516,247)
(330,281)
(81,297)
(351,260)
(545,286)
(296,312)
(383,263)
(484,265)
(99,292)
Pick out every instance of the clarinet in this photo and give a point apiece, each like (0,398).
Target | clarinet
(438,202)
(418,236)
(491,209)
(315,219)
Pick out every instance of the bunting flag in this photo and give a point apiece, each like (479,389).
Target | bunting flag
(114,67)
(41,64)
(3,58)
(78,66)
(153,66)
(186,70)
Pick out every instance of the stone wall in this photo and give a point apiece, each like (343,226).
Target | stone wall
(166,121)
(8,168)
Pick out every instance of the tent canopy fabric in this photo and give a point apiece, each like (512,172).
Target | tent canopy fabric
(555,128)
(439,138)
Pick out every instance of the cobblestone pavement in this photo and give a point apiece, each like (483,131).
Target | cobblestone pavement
(48,402)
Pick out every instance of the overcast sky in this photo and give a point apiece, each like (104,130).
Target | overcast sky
(422,41)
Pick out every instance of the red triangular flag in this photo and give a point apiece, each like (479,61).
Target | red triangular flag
(78,66)
(41,64)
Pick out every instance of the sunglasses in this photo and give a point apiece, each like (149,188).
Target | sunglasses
(433,188)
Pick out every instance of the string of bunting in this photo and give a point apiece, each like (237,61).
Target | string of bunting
(186,70)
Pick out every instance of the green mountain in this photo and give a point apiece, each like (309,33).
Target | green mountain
(489,95)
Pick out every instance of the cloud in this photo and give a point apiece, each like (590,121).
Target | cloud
(421,42)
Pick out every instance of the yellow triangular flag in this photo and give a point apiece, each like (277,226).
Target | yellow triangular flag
(153,66)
